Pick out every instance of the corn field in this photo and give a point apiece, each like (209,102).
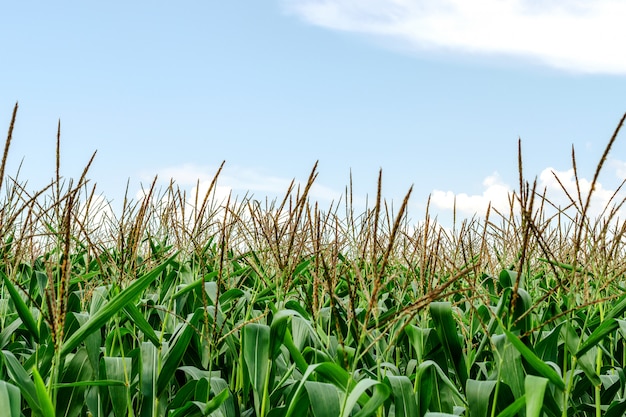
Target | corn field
(237,308)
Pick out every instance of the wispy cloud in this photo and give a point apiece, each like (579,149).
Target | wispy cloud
(574,35)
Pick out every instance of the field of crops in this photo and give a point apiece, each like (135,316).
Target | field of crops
(241,308)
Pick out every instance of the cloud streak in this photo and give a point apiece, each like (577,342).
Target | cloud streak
(583,36)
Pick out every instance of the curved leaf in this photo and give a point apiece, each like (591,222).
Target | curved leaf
(47,409)
(10,399)
(102,316)
(323,398)
(403,395)
(535,391)
(447,330)
(537,364)
(256,355)
(479,396)
(22,309)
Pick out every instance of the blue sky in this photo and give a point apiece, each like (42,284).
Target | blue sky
(436,93)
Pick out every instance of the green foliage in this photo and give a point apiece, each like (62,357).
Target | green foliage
(200,308)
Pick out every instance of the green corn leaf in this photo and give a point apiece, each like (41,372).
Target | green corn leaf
(194,285)
(216,402)
(148,378)
(278,328)
(535,391)
(510,363)
(102,316)
(183,396)
(419,339)
(355,394)
(315,356)
(22,309)
(616,409)
(403,395)
(295,352)
(503,303)
(177,351)
(479,396)
(552,406)
(227,406)
(617,311)
(333,373)
(23,381)
(280,333)
(8,331)
(323,398)
(425,385)
(70,396)
(10,399)
(371,406)
(612,383)
(297,401)
(199,408)
(210,288)
(47,409)
(507,277)
(92,344)
(203,390)
(195,373)
(606,328)
(231,294)
(280,411)
(190,409)
(338,376)
(98,299)
(514,408)
(537,364)
(256,354)
(140,321)
(95,383)
(428,377)
(297,406)
(447,330)
(522,304)
(586,362)
(293,305)
(622,327)
(547,347)
(118,369)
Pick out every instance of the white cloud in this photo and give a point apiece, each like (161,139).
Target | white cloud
(220,193)
(600,199)
(574,35)
(495,192)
